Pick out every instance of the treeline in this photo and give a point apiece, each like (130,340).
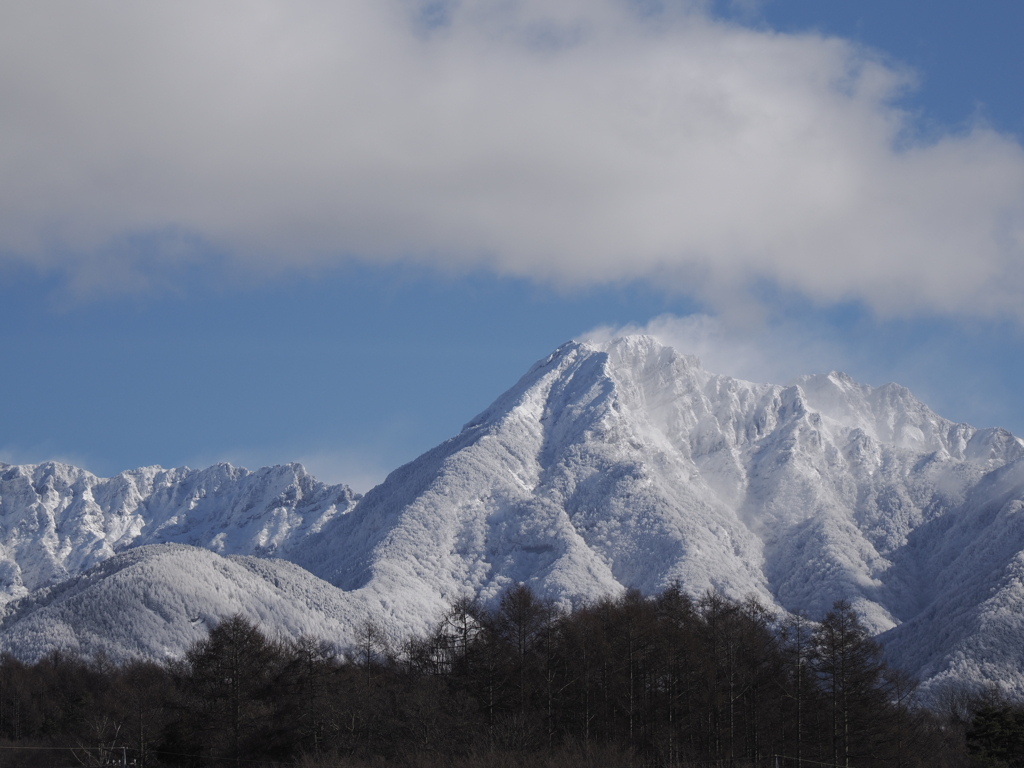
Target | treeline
(662,681)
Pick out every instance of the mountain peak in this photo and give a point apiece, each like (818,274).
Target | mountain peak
(632,349)
(612,464)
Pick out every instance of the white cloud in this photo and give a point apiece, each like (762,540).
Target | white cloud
(573,142)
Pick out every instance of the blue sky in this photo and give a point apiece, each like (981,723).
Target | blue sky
(265,232)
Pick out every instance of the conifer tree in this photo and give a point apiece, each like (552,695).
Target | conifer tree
(229,675)
(848,664)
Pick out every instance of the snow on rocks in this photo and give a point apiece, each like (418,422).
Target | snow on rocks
(607,466)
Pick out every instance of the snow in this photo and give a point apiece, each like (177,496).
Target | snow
(607,466)
(154,601)
(56,521)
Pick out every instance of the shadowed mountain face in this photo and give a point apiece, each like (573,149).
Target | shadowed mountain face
(622,465)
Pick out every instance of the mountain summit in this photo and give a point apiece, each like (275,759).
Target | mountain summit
(624,465)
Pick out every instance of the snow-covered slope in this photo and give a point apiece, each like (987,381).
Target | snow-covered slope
(154,601)
(57,520)
(628,465)
(618,465)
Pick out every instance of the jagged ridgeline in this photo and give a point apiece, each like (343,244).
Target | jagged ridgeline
(613,466)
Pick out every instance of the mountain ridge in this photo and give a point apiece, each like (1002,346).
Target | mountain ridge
(625,464)
(57,520)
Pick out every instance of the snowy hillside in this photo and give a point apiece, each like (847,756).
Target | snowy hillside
(154,601)
(56,520)
(611,466)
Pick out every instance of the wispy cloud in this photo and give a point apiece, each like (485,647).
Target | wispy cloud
(42,453)
(957,370)
(572,142)
(773,353)
(356,470)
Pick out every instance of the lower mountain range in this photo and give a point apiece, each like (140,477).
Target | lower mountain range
(611,466)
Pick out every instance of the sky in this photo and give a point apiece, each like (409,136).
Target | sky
(332,233)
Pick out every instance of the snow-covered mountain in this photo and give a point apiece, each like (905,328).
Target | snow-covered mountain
(607,466)
(57,520)
(154,601)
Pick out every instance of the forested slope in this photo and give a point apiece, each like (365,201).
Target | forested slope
(630,681)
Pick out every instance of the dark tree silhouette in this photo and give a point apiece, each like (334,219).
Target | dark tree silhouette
(228,685)
(848,664)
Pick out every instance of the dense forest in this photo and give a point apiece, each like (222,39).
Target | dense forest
(632,681)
